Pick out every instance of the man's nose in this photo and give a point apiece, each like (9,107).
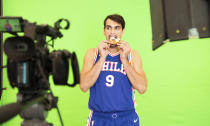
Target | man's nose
(112,31)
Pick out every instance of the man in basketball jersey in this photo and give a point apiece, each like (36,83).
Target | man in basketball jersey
(112,71)
(8,26)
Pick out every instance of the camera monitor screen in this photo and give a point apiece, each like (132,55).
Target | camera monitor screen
(10,24)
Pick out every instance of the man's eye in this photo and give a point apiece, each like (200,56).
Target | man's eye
(108,27)
(117,28)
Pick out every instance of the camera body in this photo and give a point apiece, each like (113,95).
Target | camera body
(29,61)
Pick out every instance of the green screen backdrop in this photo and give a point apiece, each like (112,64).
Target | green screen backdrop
(178,73)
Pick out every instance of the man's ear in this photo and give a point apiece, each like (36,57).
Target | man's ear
(104,31)
(123,31)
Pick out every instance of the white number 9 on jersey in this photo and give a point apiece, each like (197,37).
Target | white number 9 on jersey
(109,80)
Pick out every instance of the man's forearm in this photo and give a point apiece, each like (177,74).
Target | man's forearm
(138,80)
(89,78)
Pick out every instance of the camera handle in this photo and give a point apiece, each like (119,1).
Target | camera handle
(60,67)
(75,69)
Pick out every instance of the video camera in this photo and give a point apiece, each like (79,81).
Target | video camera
(29,61)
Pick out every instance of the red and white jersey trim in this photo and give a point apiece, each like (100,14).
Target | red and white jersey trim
(89,118)
(130,58)
(133,97)
(96,54)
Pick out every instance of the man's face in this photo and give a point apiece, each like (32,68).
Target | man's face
(113,29)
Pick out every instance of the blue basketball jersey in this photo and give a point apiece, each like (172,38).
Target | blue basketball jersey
(112,90)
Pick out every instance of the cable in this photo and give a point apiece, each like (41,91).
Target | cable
(45,78)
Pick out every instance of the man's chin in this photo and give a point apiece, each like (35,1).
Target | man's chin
(113,46)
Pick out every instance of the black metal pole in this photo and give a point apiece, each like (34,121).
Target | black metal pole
(1,51)
(11,110)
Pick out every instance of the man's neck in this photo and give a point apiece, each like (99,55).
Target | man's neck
(113,50)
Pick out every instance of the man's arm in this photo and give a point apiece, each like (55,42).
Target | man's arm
(90,71)
(135,72)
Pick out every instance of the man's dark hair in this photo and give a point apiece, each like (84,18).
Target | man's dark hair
(117,18)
